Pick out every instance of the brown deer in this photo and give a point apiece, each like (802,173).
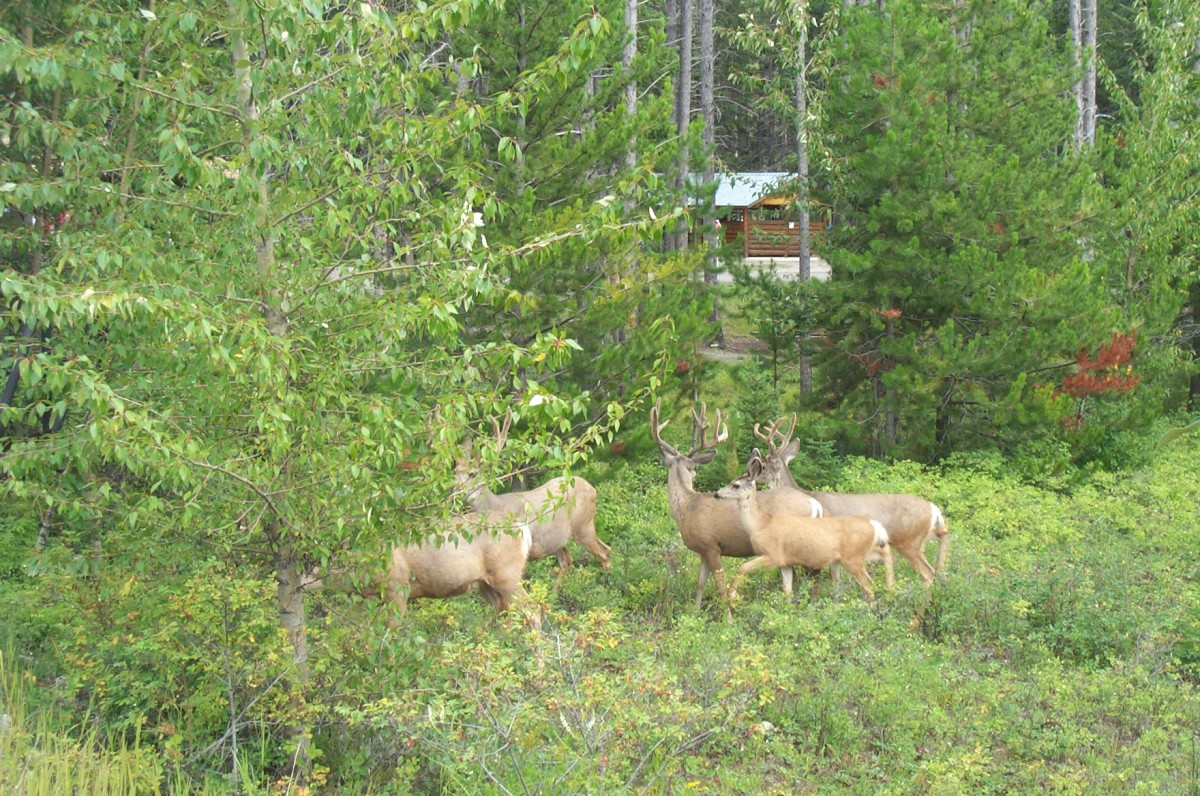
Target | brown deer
(558,510)
(783,540)
(480,549)
(712,528)
(911,521)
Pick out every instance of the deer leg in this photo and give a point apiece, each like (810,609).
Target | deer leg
(758,562)
(531,611)
(701,581)
(563,555)
(835,574)
(494,597)
(889,566)
(786,574)
(917,559)
(587,537)
(397,596)
(859,570)
(943,548)
(710,564)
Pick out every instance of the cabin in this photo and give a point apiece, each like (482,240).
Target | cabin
(753,210)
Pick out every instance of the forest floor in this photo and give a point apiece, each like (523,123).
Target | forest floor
(734,348)
(786,268)
(738,346)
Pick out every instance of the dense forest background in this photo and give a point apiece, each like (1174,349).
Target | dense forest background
(266,266)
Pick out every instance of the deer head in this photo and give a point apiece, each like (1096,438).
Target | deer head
(704,445)
(781,449)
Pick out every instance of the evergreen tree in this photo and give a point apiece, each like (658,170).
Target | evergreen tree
(957,278)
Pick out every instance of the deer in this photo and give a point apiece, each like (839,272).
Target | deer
(558,510)
(783,540)
(911,521)
(479,549)
(710,527)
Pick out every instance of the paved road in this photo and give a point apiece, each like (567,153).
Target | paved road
(786,268)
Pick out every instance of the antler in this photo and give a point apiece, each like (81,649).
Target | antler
(656,429)
(772,431)
(700,438)
(700,431)
(500,431)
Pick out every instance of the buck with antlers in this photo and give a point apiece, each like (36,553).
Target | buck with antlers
(790,541)
(710,527)
(911,521)
(558,510)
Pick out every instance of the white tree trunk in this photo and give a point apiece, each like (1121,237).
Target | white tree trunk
(1074,21)
(1089,72)
(683,112)
(627,57)
(802,175)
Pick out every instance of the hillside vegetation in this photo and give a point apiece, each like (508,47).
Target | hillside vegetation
(1059,654)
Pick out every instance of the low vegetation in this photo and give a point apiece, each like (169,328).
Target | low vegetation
(1058,655)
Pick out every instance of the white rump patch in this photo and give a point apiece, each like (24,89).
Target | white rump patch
(526,539)
(936,520)
(817,509)
(881,534)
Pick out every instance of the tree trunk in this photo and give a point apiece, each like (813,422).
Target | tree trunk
(289,596)
(1089,72)
(1076,30)
(628,54)
(683,114)
(709,116)
(627,57)
(1193,401)
(802,191)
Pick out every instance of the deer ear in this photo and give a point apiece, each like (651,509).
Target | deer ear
(704,457)
(754,466)
(790,450)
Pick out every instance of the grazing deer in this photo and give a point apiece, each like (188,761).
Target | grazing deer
(479,550)
(790,541)
(910,520)
(712,528)
(556,511)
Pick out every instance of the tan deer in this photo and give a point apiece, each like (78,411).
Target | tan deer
(480,549)
(790,541)
(911,521)
(712,528)
(558,510)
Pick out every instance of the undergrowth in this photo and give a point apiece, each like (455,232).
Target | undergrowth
(1059,654)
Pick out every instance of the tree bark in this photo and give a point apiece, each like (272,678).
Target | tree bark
(1193,402)
(1089,73)
(287,564)
(1074,22)
(709,138)
(628,54)
(802,188)
(683,114)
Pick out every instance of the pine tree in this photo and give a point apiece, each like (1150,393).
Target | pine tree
(956,269)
